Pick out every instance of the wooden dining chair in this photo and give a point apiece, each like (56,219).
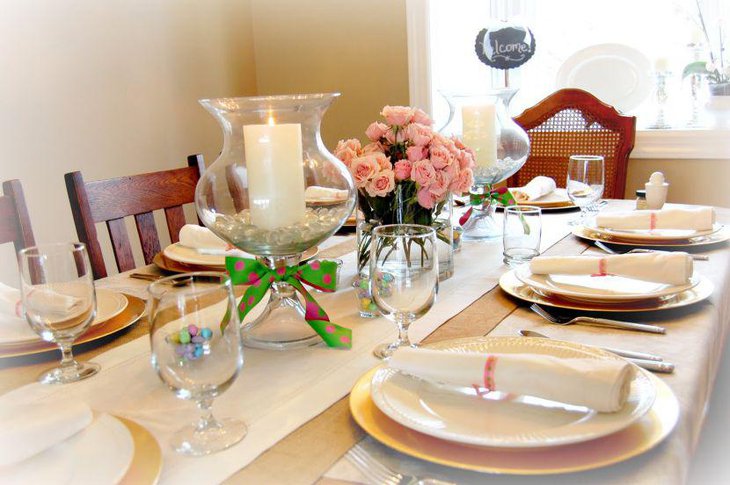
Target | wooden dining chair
(112,200)
(14,220)
(574,122)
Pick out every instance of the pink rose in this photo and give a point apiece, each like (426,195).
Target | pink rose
(467,158)
(347,150)
(420,135)
(463,182)
(441,156)
(371,148)
(363,169)
(440,186)
(425,199)
(383,161)
(376,130)
(452,170)
(423,173)
(398,115)
(403,169)
(415,154)
(382,184)
(420,116)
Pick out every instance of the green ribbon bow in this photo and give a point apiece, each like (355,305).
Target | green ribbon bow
(500,195)
(318,274)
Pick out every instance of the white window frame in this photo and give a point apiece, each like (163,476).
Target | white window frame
(650,144)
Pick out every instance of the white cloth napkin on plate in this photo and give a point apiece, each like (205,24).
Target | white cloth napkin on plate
(28,429)
(602,385)
(199,237)
(695,218)
(668,268)
(315,193)
(536,188)
(13,326)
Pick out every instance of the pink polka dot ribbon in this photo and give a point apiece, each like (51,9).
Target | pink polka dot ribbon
(320,274)
(489,366)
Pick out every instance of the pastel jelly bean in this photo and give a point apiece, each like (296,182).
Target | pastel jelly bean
(174,338)
(198,339)
(184,336)
(206,333)
(192,330)
(198,351)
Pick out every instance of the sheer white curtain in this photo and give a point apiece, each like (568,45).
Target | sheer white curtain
(660,29)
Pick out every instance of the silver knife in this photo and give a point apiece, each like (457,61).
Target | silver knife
(654,366)
(605,322)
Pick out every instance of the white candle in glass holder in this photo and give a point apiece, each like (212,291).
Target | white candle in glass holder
(275,174)
(479,131)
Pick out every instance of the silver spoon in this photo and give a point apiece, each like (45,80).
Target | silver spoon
(650,362)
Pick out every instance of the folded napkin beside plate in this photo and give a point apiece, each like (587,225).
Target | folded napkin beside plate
(695,218)
(29,429)
(13,325)
(536,188)
(667,268)
(602,385)
(199,237)
(315,193)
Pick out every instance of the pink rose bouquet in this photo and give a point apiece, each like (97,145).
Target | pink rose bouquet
(406,166)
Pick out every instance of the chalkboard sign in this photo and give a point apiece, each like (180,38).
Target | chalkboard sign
(505,46)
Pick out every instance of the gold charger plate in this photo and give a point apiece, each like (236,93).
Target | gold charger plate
(146,464)
(634,440)
(717,237)
(134,310)
(513,286)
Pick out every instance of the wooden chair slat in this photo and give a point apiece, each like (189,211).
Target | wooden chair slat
(138,195)
(175,217)
(14,219)
(147,235)
(120,244)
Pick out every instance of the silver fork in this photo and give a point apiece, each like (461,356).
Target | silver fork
(379,474)
(597,322)
(600,245)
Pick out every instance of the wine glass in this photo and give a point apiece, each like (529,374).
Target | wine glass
(59,301)
(585,183)
(197,351)
(404,277)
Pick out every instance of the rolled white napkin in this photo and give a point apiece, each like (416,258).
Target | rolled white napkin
(536,188)
(695,218)
(667,268)
(13,325)
(315,193)
(199,237)
(602,385)
(28,429)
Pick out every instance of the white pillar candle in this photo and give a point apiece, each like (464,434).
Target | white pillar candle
(275,174)
(479,129)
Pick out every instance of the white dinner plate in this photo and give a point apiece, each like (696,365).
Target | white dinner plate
(659,235)
(109,304)
(558,198)
(502,420)
(599,289)
(101,453)
(183,254)
(616,74)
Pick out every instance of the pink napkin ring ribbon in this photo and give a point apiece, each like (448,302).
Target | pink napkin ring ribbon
(652,221)
(489,367)
(602,263)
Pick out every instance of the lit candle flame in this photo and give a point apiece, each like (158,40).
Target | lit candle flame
(271,119)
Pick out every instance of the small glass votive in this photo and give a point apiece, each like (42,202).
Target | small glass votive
(521,233)
(338,275)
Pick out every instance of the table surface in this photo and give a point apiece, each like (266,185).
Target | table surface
(694,342)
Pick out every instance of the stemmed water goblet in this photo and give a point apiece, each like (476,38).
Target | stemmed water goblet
(585,184)
(404,277)
(59,302)
(197,351)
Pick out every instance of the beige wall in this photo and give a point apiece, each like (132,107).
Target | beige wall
(691,181)
(358,48)
(110,88)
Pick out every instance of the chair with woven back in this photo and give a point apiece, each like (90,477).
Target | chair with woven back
(574,122)
(112,200)
(14,220)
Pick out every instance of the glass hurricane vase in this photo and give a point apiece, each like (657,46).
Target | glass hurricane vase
(483,123)
(275,191)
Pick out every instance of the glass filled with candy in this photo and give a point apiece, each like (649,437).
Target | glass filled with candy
(197,352)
